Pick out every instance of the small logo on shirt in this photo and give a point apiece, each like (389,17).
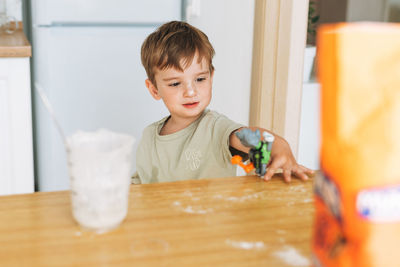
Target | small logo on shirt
(193,159)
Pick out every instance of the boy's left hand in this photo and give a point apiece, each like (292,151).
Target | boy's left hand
(282,158)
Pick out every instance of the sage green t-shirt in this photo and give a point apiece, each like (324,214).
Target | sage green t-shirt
(201,150)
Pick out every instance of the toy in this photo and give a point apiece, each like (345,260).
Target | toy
(260,150)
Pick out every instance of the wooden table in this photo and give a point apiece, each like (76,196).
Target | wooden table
(238,221)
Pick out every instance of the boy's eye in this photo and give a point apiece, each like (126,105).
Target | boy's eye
(174,84)
(201,79)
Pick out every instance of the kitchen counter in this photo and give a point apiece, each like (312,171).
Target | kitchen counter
(237,221)
(14,45)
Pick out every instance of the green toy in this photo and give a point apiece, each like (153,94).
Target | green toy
(260,150)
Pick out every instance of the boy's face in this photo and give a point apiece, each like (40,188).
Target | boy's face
(186,94)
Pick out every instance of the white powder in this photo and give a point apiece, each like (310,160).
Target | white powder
(292,257)
(192,209)
(258,245)
(243,198)
(100,166)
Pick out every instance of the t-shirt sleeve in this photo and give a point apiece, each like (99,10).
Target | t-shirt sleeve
(223,127)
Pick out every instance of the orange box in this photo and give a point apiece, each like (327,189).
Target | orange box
(357,197)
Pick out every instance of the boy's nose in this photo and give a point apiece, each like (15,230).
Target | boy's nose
(190,90)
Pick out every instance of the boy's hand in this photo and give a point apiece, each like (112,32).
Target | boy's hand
(282,158)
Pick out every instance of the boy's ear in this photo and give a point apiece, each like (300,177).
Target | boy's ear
(152,89)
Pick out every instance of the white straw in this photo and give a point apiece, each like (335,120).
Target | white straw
(49,108)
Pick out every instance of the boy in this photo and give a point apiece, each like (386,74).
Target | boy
(192,142)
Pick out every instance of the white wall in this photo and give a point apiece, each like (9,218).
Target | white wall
(229,26)
(309,137)
(14,8)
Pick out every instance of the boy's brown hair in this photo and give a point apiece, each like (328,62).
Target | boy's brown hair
(172,42)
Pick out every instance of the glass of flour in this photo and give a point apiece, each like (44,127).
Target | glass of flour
(100,166)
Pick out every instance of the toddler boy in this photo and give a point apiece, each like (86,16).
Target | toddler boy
(192,142)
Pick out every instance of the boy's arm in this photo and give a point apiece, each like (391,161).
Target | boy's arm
(281,157)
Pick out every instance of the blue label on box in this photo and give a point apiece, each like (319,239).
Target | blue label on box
(379,204)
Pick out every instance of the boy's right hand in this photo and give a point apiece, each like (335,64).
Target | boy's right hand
(282,158)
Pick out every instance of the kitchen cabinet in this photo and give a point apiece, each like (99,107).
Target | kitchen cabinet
(16,148)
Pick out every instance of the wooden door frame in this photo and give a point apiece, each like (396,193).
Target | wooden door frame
(280,28)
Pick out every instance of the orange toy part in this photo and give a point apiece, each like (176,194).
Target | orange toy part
(357,221)
(238,160)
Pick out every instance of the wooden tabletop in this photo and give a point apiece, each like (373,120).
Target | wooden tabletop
(238,221)
(14,45)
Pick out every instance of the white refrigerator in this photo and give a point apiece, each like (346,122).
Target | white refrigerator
(86,58)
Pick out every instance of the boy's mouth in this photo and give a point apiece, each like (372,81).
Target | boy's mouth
(191,104)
